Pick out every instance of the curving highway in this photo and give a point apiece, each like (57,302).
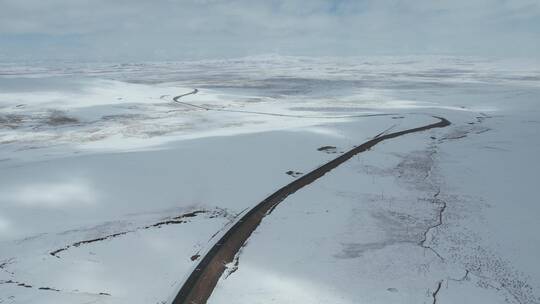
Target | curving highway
(201,282)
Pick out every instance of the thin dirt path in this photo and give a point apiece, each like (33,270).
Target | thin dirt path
(195,91)
(201,282)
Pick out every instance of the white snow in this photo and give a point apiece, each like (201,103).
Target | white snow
(101,154)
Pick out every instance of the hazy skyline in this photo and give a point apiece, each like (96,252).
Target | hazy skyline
(192,29)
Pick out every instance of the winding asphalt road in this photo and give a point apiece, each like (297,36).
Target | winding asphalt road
(202,281)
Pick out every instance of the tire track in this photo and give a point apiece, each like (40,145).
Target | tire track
(195,91)
(201,282)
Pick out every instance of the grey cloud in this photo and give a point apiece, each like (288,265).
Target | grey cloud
(167,29)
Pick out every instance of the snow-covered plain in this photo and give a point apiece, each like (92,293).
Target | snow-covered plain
(110,191)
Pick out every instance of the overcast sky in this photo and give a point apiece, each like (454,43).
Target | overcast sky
(123,30)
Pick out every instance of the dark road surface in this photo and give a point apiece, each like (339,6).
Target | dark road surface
(202,281)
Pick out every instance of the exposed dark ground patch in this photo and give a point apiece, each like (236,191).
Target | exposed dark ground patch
(11,121)
(328,149)
(46,288)
(183,218)
(60,118)
(293,173)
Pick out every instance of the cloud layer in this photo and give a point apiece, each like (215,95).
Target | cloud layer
(167,29)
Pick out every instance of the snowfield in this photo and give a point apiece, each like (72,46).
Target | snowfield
(113,192)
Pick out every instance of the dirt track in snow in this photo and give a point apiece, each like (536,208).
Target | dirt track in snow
(202,107)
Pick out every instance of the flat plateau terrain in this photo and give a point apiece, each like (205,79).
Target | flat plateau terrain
(271,180)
